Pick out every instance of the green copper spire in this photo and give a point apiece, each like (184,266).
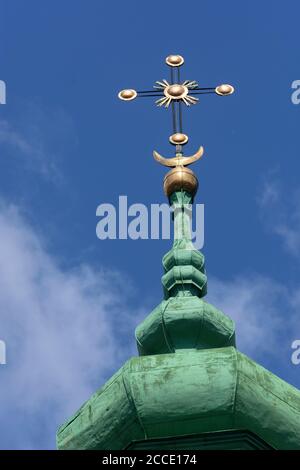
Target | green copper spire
(189,388)
(183,320)
(184,272)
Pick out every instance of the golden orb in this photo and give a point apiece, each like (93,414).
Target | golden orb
(127,95)
(224,90)
(180,178)
(174,60)
(178,139)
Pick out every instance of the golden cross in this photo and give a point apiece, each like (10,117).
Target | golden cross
(176,93)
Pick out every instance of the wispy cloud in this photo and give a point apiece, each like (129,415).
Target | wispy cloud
(252,301)
(280,212)
(37,139)
(266,314)
(63,330)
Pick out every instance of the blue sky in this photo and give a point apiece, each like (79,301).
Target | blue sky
(68,301)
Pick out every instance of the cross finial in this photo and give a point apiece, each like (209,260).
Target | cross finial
(176,93)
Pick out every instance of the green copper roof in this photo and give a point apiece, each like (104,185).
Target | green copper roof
(185,394)
(189,386)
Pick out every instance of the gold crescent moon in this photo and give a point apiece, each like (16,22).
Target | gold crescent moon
(178,161)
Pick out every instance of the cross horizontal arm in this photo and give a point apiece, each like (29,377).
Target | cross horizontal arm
(206,88)
(208,92)
(149,95)
(148,91)
(196,88)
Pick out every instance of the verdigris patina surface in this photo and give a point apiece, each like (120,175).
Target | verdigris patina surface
(189,388)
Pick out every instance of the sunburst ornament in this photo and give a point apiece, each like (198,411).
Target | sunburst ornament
(176,92)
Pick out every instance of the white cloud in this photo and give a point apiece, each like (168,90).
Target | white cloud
(270,193)
(266,314)
(254,303)
(280,212)
(37,139)
(290,236)
(62,332)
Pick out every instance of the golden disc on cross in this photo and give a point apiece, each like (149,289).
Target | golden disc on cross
(178,138)
(127,95)
(224,90)
(174,60)
(176,91)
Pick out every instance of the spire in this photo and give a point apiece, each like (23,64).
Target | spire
(184,272)
(182,320)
